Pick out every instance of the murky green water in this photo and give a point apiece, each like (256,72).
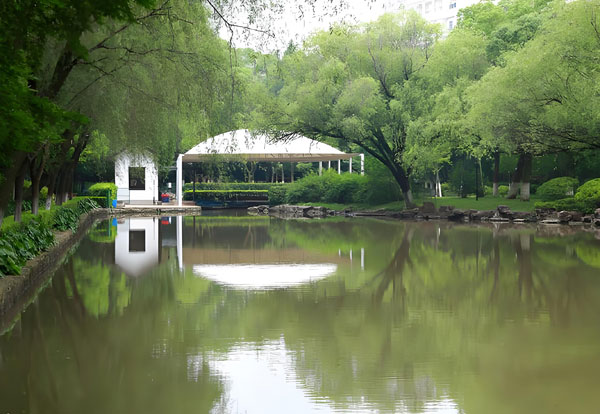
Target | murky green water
(259,315)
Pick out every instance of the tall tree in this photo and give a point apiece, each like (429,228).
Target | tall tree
(351,85)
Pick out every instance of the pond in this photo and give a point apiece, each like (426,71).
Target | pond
(240,314)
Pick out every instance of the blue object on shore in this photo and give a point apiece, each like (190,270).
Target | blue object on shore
(165,199)
(114,203)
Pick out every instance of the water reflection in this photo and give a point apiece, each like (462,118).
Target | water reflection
(404,317)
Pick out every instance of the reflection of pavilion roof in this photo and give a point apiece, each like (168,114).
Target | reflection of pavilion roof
(260,147)
(194,256)
(265,276)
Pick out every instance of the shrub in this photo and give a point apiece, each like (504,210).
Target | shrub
(557,188)
(227,195)
(100,190)
(342,188)
(230,186)
(568,204)
(589,193)
(307,189)
(502,190)
(22,242)
(277,194)
(101,201)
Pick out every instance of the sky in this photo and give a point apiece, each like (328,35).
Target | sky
(297,22)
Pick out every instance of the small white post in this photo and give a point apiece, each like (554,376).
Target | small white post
(350,166)
(339,166)
(320,167)
(362,164)
(329,165)
(282,174)
(179,184)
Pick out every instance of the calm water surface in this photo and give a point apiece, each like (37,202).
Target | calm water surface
(240,314)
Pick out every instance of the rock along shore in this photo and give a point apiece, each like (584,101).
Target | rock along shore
(502,214)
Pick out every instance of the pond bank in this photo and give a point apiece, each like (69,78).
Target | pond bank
(502,214)
(17,291)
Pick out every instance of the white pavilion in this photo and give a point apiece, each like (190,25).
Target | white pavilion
(249,146)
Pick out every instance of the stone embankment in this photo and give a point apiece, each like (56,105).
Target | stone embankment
(502,214)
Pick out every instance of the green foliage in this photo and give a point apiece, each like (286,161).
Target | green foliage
(228,195)
(102,202)
(22,242)
(567,204)
(589,193)
(341,188)
(231,186)
(557,188)
(277,195)
(101,189)
(502,190)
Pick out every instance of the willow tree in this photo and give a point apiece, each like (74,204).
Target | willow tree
(352,85)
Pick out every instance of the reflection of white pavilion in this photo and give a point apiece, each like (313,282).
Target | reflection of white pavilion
(138,249)
(136,245)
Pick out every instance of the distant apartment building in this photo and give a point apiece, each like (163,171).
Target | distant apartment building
(438,11)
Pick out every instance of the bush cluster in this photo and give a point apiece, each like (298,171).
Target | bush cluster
(557,188)
(228,195)
(20,242)
(100,190)
(335,188)
(589,193)
(586,199)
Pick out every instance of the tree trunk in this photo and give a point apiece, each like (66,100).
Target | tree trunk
(19,181)
(8,184)
(526,177)
(438,185)
(496,173)
(516,179)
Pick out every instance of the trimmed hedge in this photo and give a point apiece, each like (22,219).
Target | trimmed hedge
(589,193)
(567,204)
(557,188)
(100,190)
(228,195)
(231,186)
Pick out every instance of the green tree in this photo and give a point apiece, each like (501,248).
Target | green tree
(351,86)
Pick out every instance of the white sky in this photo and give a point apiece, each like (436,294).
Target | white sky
(294,25)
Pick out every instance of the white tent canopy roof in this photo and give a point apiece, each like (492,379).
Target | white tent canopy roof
(260,147)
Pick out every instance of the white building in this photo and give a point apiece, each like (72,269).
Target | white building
(438,11)
(136,177)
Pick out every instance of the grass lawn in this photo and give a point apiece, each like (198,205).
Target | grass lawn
(484,203)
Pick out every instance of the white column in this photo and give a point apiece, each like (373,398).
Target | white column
(362,164)
(329,165)
(350,166)
(180,242)
(282,174)
(320,167)
(179,184)
(339,166)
